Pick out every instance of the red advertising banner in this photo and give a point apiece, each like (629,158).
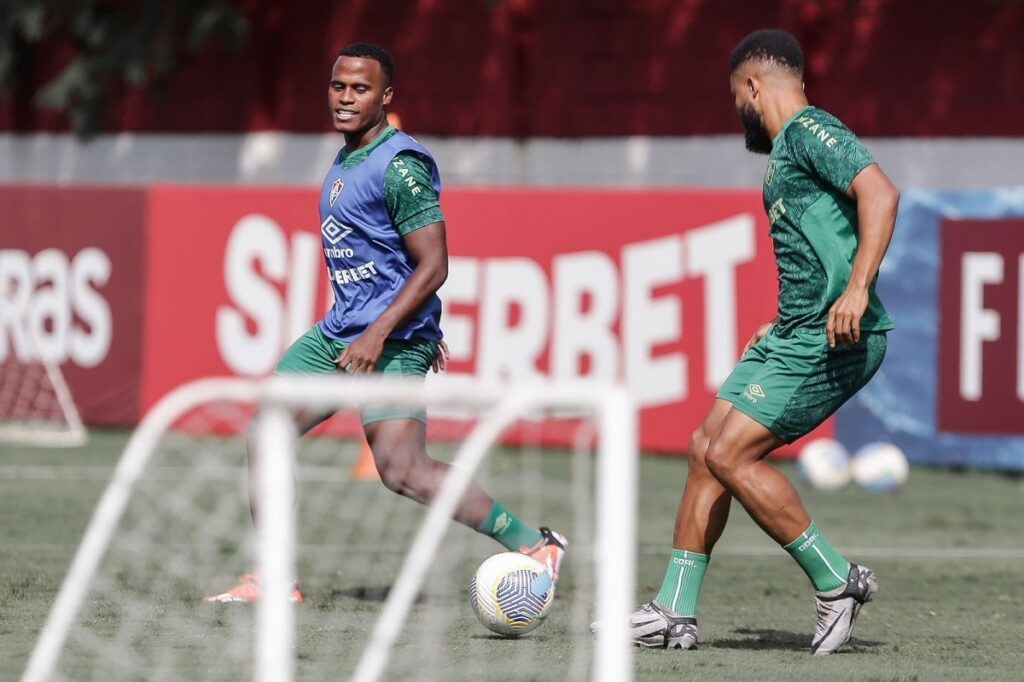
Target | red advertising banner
(73,258)
(234,277)
(137,291)
(981,344)
(659,289)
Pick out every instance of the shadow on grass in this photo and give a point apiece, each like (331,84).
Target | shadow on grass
(527,637)
(372,593)
(761,639)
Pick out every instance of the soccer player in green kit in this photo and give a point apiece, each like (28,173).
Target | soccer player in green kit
(383,236)
(832,213)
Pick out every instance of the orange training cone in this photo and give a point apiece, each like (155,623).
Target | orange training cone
(365,469)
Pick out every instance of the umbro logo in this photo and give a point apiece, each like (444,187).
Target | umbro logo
(756,390)
(333,231)
(501,524)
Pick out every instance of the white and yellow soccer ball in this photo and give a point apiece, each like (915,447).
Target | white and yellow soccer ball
(880,467)
(825,464)
(511,594)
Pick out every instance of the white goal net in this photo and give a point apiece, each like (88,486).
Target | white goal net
(385,580)
(36,407)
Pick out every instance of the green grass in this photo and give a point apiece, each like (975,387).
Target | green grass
(949,607)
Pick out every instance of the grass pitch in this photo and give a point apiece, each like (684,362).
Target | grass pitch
(948,549)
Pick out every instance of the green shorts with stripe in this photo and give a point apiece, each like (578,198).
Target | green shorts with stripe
(791,385)
(315,353)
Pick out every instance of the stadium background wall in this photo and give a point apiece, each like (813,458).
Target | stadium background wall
(659,288)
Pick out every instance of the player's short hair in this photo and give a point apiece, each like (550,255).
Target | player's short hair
(772,46)
(374,52)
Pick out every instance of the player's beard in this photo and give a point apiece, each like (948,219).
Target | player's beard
(756,138)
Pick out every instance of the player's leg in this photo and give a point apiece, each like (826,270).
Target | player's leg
(704,506)
(306,421)
(670,619)
(399,450)
(735,457)
(700,519)
(405,467)
(397,439)
(311,353)
(800,385)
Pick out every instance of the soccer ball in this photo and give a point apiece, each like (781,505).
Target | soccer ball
(825,464)
(880,467)
(511,594)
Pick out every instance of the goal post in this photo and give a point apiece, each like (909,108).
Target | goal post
(612,418)
(36,407)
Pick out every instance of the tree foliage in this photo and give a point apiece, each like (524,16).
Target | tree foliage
(113,45)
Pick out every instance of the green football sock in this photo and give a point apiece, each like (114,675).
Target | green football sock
(680,591)
(501,525)
(826,567)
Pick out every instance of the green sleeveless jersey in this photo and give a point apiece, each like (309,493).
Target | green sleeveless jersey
(813,222)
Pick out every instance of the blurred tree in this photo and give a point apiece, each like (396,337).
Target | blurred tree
(111,43)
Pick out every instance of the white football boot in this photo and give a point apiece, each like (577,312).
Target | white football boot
(837,610)
(655,627)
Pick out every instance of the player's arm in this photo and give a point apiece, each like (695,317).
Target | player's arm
(877,201)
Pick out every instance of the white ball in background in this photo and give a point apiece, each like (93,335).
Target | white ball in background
(880,467)
(825,464)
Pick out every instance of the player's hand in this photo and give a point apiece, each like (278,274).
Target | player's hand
(361,356)
(843,326)
(761,332)
(440,357)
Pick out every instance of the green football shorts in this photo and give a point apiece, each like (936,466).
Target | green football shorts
(791,385)
(315,353)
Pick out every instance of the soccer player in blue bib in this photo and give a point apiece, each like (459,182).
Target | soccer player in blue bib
(832,213)
(383,236)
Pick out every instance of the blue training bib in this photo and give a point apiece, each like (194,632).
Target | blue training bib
(367,262)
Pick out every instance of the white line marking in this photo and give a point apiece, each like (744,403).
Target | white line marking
(875,552)
(831,570)
(585,555)
(679,583)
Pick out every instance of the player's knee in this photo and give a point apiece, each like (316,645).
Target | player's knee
(406,473)
(719,461)
(699,441)
(399,478)
(392,477)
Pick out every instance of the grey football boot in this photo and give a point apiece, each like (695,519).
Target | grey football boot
(655,627)
(837,610)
